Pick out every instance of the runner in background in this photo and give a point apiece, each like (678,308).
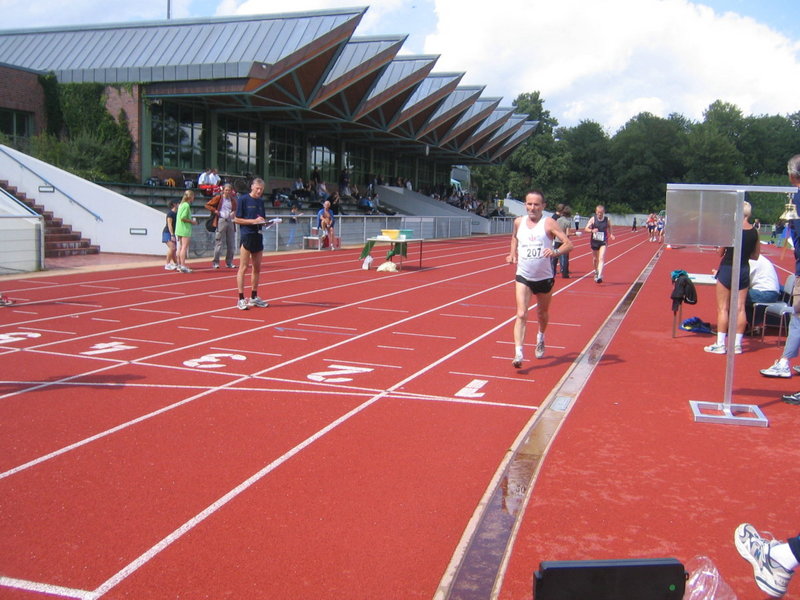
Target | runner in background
(250,213)
(599,226)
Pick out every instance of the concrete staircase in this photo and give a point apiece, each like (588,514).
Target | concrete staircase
(59,239)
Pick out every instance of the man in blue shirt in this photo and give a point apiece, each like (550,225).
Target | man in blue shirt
(250,218)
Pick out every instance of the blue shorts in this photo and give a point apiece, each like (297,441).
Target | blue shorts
(166,236)
(253,242)
(725,274)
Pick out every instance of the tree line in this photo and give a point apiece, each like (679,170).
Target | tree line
(628,172)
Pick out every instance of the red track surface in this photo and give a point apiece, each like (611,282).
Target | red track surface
(158,443)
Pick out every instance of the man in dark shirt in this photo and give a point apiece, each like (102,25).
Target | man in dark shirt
(250,218)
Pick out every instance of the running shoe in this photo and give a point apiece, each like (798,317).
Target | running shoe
(599,280)
(242,304)
(184,269)
(716,349)
(539,352)
(215,265)
(792,398)
(796,369)
(777,370)
(770,576)
(231,266)
(257,302)
(170,267)
(517,362)
(737,349)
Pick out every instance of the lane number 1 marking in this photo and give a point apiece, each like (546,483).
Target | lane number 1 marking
(471,389)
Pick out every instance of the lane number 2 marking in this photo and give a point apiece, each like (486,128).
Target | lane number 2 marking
(336,374)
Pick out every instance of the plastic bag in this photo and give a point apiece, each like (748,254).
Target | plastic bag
(705,582)
(367,263)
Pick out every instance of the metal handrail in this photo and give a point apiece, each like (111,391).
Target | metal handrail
(63,193)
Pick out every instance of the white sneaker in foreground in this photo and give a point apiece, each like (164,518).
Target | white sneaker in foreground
(770,576)
(257,302)
(539,352)
(242,304)
(517,362)
(777,370)
(716,349)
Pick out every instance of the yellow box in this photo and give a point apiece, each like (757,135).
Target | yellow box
(390,233)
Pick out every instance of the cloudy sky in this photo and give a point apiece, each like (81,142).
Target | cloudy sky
(601,61)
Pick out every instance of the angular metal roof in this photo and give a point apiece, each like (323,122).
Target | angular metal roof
(302,69)
(169,50)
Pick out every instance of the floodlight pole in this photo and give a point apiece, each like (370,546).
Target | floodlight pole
(169,11)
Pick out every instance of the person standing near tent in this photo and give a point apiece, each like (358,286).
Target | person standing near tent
(531,252)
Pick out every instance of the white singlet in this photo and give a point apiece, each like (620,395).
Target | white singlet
(532,264)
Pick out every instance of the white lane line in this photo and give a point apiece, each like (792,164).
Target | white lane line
(462,316)
(150,310)
(99,287)
(489,376)
(165,292)
(45,588)
(441,337)
(326,326)
(237,318)
(25,312)
(194,328)
(382,309)
(238,351)
(127,339)
(48,330)
(395,348)
(364,364)
(105,320)
(286,337)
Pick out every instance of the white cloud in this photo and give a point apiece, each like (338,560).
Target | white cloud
(607,61)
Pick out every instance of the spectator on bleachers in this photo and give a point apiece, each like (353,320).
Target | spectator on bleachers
(344,182)
(336,204)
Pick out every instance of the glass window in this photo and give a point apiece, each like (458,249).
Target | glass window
(177,133)
(237,146)
(323,157)
(16,124)
(356,159)
(286,153)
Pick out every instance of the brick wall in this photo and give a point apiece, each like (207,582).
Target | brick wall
(127,99)
(20,90)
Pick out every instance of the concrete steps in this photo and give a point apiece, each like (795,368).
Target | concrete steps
(59,239)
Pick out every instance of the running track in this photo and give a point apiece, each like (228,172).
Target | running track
(159,443)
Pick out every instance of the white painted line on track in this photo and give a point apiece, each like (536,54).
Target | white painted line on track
(127,339)
(48,330)
(194,328)
(365,364)
(160,312)
(462,316)
(238,351)
(327,326)
(106,320)
(165,292)
(396,348)
(441,337)
(45,588)
(25,312)
(236,318)
(489,376)
(286,337)
(83,304)
(383,309)
(98,287)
